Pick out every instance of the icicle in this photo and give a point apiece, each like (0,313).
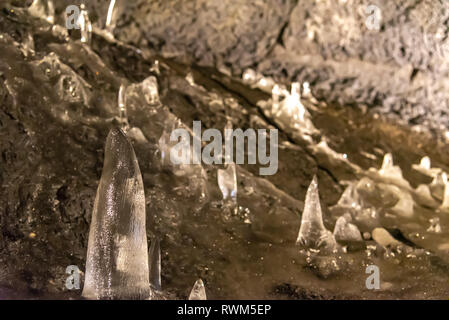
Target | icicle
(85,25)
(117,254)
(155,264)
(43,9)
(227,181)
(198,292)
(312,233)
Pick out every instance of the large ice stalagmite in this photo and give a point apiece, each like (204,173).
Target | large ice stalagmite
(117,255)
(312,233)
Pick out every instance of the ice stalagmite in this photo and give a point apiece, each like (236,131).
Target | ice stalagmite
(312,233)
(155,264)
(198,291)
(227,181)
(85,25)
(117,254)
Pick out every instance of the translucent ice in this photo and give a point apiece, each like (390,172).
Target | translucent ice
(227,181)
(44,9)
(198,291)
(117,255)
(121,100)
(312,233)
(155,264)
(345,231)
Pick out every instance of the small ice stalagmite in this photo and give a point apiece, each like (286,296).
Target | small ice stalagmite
(445,203)
(391,173)
(198,291)
(43,9)
(155,264)
(345,231)
(117,254)
(85,25)
(438,185)
(227,181)
(425,167)
(312,233)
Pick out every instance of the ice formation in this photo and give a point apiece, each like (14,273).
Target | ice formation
(312,233)
(345,231)
(43,9)
(390,173)
(117,255)
(85,25)
(438,185)
(155,264)
(227,182)
(122,105)
(353,203)
(425,167)
(198,291)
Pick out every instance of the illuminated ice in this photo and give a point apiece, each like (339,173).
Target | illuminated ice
(117,254)
(198,291)
(85,25)
(312,233)
(425,167)
(345,231)
(227,181)
(121,100)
